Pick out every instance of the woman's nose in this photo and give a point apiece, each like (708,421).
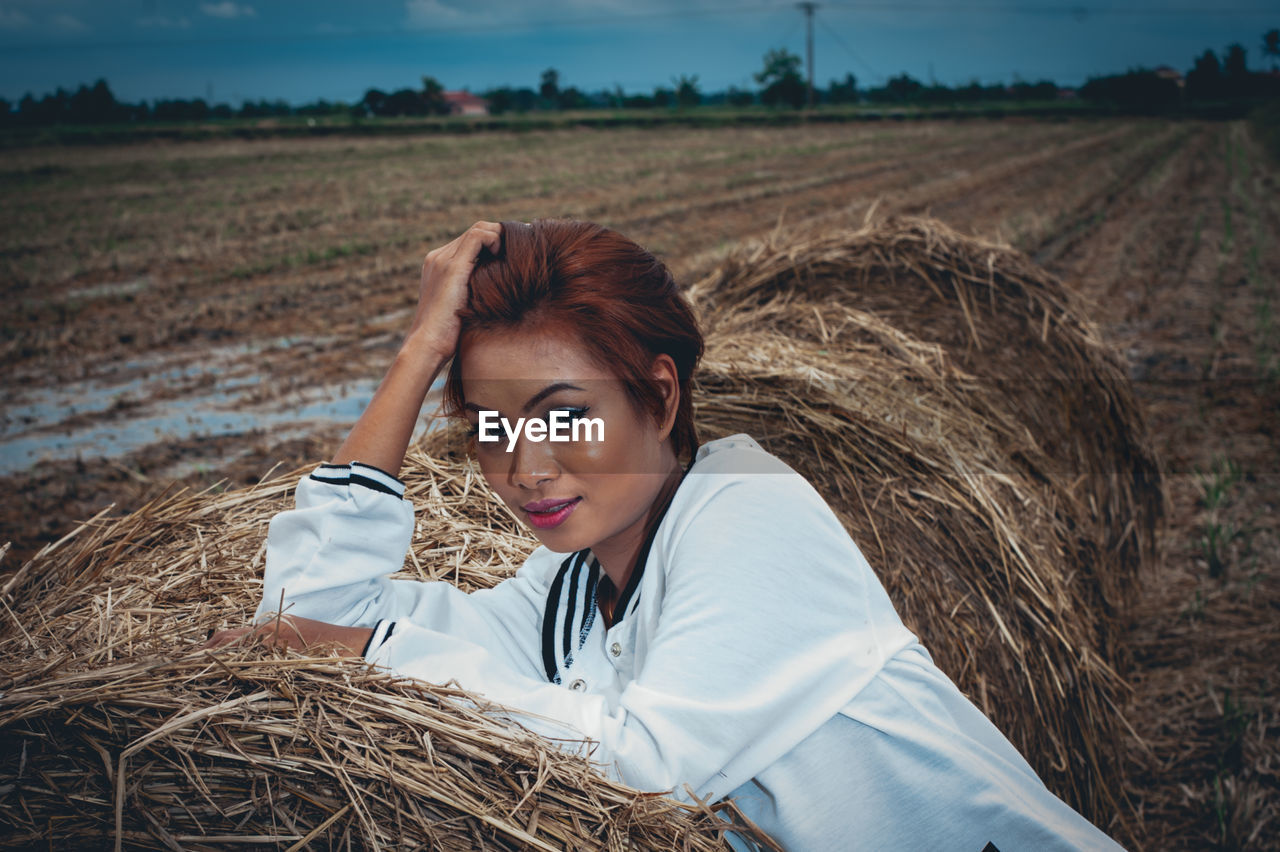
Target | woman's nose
(533,463)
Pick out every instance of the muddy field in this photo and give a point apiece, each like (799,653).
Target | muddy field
(193,314)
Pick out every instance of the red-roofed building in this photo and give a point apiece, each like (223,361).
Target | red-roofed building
(465,103)
(1164,72)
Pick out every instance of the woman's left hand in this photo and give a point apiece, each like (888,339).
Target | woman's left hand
(292,631)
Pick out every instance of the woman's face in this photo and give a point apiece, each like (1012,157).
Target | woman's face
(593,492)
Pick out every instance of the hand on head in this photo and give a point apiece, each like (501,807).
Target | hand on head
(443,291)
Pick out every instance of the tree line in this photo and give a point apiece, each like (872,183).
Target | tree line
(781,85)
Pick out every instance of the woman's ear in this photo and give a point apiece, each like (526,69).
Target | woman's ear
(667,379)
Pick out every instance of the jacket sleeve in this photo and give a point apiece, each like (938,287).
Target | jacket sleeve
(330,558)
(771,621)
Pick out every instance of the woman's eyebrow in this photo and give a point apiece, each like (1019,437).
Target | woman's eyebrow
(546,392)
(533,400)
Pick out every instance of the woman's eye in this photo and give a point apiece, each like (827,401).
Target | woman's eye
(473,433)
(576,413)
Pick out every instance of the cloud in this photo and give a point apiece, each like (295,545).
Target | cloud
(454,13)
(12,19)
(69,22)
(228,9)
(161,22)
(427,12)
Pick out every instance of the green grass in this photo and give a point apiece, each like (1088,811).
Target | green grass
(1216,534)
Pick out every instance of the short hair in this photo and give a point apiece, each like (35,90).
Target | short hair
(590,283)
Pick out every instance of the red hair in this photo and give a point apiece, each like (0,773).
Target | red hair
(562,276)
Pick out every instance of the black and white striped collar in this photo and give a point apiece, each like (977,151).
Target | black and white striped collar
(579,587)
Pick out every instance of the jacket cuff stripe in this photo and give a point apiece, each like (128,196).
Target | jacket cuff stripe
(381,633)
(368,471)
(376,485)
(357,473)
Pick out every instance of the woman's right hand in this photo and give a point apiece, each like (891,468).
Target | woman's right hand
(443,291)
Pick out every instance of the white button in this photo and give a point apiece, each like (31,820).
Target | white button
(616,649)
(578,685)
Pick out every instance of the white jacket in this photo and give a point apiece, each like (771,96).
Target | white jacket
(757,655)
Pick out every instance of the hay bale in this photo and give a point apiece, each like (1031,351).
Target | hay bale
(978,440)
(1010,567)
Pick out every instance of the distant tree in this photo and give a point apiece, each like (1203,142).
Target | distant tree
(50,109)
(1140,90)
(971,93)
(27,106)
(93,105)
(904,87)
(935,94)
(614,98)
(433,102)
(663,97)
(264,108)
(899,89)
(1204,80)
(781,79)
(549,87)
(524,99)
(687,92)
(843,91)
(739,97)
(322,107)
(405,102)
(501,100)
(1271,46)
(374,102)
(196,109)
(506,99)
(1045,90)
(638,102)
(572,98)
(1235,71)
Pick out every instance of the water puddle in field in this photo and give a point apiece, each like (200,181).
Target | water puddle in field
(127,406)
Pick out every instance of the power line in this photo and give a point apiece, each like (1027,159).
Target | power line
(849,50)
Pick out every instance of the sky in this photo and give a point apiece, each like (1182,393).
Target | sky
(304,50)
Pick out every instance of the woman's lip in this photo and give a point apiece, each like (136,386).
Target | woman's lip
(548,505)
(546,514)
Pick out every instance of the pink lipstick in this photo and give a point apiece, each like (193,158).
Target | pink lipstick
(548,514)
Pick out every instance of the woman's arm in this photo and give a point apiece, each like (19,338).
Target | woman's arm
(381,435)
(329,562)
(328,544)
(291,631)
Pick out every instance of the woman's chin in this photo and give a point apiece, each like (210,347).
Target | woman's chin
(559,540)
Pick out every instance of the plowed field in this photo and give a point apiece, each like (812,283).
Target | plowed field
(193,312)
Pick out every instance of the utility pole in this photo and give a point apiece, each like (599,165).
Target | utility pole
(808,8)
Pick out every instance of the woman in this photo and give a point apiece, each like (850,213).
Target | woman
(698,613)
